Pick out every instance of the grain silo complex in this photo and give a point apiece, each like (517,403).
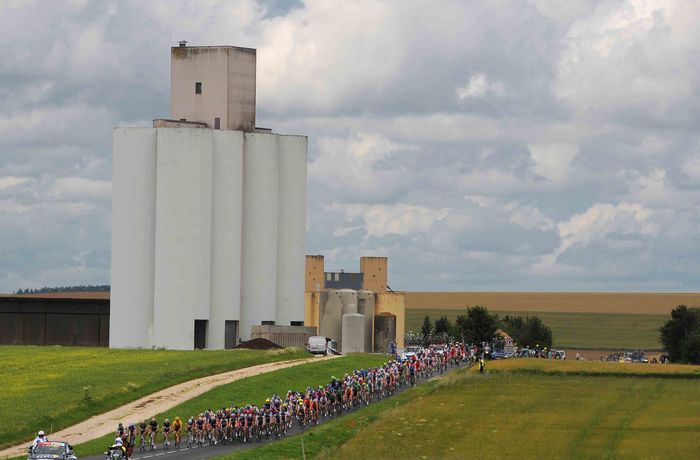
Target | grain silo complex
(358,310)
(208,213)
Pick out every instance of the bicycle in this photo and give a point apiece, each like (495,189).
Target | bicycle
(177,439)
(152,440)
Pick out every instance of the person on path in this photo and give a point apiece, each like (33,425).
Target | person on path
(482,365)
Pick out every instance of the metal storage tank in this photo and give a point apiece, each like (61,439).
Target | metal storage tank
(227,203)
(353,326)
(259,255)
(384,332)
(349,299)
(365,306)
(291,229)
(330,315)
(133,236)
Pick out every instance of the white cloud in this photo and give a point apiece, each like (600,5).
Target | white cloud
(553,161)
(9,182)
(70,188)
(602,220)
(479,86)
(631,59)
(398,219)
(691,167)
(359,165)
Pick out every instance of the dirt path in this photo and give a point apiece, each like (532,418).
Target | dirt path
(100,425)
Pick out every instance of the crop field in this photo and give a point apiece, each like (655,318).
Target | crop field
(573,329)
(650,303)
(55,387)
(522,409)
(255,389)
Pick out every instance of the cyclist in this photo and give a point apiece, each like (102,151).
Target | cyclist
(130,439)
(190,430)
(177,427)
(120,430)
(166,433)
(153,432)
(143,428)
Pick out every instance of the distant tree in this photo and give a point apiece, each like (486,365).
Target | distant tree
(529,331)
(535,333)
(478,325)
(80,288)
(680,336)
(443,325)
(427,327)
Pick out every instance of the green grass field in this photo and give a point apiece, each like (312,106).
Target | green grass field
(45,387)
(255,389)
(521,409)
(612,331)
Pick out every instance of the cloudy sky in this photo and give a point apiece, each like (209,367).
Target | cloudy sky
(526,145)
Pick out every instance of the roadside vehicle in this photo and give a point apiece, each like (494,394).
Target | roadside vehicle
(319,344)
(51,449)
(498,353)
(411,351)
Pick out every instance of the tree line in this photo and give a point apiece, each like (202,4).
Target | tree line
(79,288)
(680,336)
(479,325)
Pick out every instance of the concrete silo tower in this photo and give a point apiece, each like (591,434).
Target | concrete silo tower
(209,213)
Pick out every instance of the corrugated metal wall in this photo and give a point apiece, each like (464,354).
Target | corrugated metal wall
(284,336)
(36,321)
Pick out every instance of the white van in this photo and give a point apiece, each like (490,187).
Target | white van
(317,345)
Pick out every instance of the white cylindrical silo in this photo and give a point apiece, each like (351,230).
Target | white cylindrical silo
(133,236)
(349,299)
(365,306)
(227,208)
(291,229)
(183,235)
(353,326)
(259,254)
(330,315)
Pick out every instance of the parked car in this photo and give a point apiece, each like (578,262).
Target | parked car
(51,450)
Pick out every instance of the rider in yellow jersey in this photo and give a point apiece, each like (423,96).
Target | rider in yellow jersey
(177,428)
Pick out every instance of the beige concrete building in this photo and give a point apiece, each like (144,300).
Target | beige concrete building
(213,85)
(327,294)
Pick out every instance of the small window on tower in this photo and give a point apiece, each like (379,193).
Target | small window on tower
(198,87)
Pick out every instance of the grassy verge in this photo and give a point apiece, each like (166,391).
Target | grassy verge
(542,410)
(55,387)
(574,330)
(255,390)
(520,409)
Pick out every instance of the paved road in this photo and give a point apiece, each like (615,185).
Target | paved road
(213,451)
